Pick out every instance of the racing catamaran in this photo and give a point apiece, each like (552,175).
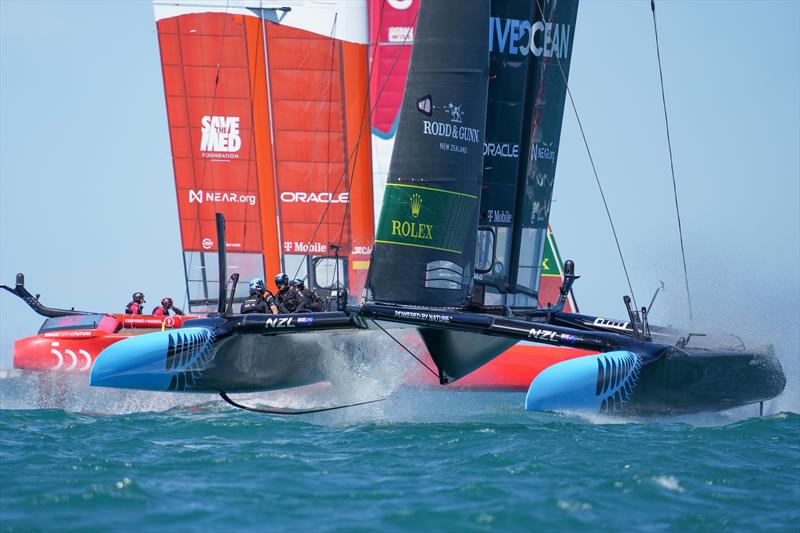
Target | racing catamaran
(425,274)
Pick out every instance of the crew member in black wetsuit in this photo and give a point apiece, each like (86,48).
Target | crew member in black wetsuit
(165,307)
(288,299)
(260,300)
(310,302)
(136,307)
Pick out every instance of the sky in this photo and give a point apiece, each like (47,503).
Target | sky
(87,198)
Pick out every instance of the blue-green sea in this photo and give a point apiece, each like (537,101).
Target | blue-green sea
(421,460)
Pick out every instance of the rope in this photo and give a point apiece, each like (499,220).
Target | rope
(403,346)
(288,410)
(594,168)
(672,164)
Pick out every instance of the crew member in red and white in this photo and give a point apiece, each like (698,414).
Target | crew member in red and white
(165,307)
(136,307)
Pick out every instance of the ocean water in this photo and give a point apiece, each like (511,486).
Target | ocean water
(421,460)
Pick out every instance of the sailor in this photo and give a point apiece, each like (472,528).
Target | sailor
(136,306)
(260,299)
(310,301)
(288,299)
(165,307)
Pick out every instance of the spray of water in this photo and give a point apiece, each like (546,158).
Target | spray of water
(71,392)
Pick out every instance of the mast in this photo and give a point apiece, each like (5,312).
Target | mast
(425,241)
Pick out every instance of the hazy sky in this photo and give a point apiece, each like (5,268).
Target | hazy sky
(87,200)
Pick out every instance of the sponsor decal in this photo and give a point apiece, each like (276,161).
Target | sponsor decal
(362,250)
(520,37)
(543,334)
(426,317)
(207,243)
(305,247)
(442,129)
(610,324)
(501,150)
(315,198)
(416,204)
(63,334)
(400,5)
(412,229)
(221,197)
(220,137)
(400,34)
(499,217)
(540,211)
(305,321)
(543,151)
(280,323)
(451,130)
(404,221)
(72,362)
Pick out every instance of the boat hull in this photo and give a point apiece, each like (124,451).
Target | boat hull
(679,382)
(691,381)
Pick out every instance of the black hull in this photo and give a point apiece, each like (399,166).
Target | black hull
(252,362)
(691,381)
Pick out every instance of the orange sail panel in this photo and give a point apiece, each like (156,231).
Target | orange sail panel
(267,111)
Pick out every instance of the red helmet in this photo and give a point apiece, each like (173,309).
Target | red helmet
(166,303)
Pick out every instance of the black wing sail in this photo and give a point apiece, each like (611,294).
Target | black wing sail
(425,241)
(509,117)
(553,32)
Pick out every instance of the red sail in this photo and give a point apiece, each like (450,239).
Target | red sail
(267,112)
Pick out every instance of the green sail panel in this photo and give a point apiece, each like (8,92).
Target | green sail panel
(424,251)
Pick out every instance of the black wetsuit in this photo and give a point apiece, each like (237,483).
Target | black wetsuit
(310,301)
(288,301)
(254,304)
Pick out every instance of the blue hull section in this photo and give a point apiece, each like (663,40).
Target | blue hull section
(594,383)
(162,361)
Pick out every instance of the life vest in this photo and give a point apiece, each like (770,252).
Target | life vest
(133,308)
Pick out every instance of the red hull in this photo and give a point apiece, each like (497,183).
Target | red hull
(75,350)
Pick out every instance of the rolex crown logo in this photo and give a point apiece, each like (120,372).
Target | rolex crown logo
(416,204)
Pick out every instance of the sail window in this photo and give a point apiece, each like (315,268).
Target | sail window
(202,277)
(325,272)
(485,250)
(296,266)
(531,248)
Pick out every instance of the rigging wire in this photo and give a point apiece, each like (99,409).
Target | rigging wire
(672,164)
(403,346)
(594,168)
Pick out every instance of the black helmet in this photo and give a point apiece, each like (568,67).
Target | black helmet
(298,283)
(138,297)
(166,303)
(257,286)
(281,279)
